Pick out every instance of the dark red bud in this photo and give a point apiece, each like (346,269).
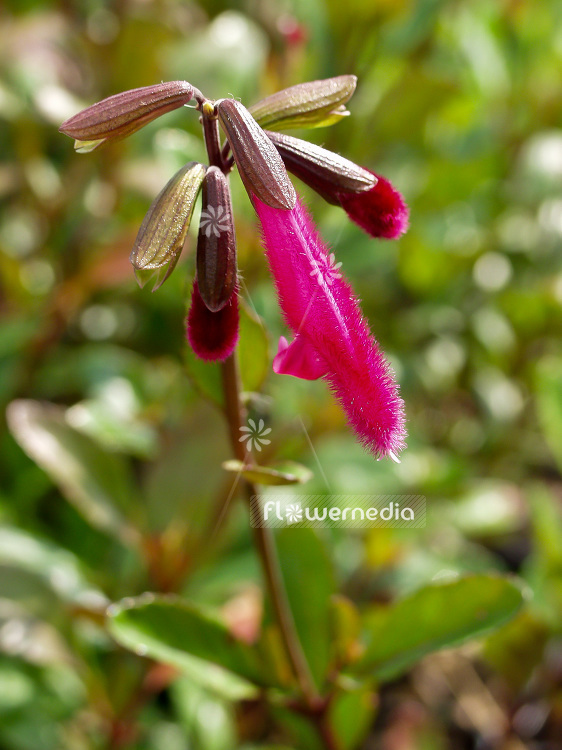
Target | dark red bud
(216,243)
(260,166)
(212,335)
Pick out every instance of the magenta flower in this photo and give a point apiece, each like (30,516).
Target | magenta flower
(332,338)
(380,211)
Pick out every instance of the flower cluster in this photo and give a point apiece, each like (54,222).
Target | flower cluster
(331,338)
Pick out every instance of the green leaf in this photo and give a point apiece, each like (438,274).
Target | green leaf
(351,714)
(293,473)
(97,483)
(517,649)
(116,431)
(549,403)
(309,582)
(253,349)
(194,706)
(434,617)
(346,624)
(205,376)
(57,567)
(179,633)
(543,569)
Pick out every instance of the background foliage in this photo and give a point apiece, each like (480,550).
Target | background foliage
(112,486)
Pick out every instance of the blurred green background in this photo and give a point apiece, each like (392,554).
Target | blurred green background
(110,476)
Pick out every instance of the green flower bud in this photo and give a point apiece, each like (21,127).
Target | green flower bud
(164,228)
(307,105)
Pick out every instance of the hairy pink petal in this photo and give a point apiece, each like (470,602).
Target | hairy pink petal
(298,359)
(333,336)
(212,335)
(381,211)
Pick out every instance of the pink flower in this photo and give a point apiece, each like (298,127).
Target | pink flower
(332,338)
(380,211)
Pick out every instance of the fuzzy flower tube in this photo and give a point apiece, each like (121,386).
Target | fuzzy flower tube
(332,338)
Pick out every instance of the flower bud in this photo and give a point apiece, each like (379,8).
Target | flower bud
(216,244)
(212,335)
(368,199)
(307,105)
(260,166)
(164,228)
(322,170)
(125,113)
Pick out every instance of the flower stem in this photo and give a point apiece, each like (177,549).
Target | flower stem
(235,417)
(211,132)
(264,541)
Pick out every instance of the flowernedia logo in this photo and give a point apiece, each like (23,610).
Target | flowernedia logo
(214,221)
(351,511)
(255,434)
(328,271)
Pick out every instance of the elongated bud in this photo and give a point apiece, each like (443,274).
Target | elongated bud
(123,114)
(216,243)
(324,171)
(368,199)
(212,335)
(260,166)
(163,230)
(314,104)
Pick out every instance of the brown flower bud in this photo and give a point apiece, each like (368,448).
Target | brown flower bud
(123,114)
(260,166)
(313,104)
(164,228)
(216,244)
(324,171)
